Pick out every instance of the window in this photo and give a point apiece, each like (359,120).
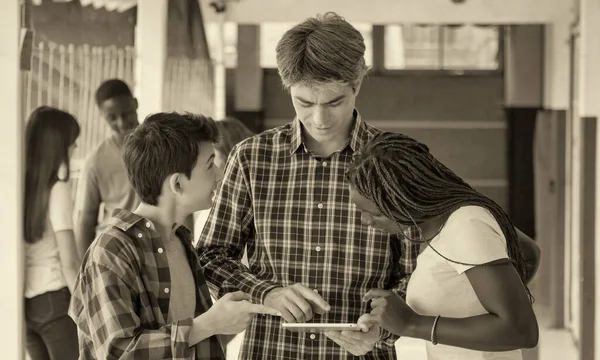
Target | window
(447,47)
(271,33)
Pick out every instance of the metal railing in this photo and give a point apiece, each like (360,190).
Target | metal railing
(66,77)
(189,86)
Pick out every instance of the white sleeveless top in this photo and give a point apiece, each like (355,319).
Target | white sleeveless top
(43,270)
(441,287)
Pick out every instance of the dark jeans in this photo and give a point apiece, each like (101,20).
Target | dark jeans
(51,333)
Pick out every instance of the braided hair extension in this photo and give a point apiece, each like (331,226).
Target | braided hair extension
(410,186)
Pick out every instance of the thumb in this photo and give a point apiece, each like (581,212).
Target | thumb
(366,321)
(238,296)
(376,293)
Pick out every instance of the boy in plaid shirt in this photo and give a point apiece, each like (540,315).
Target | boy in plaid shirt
(141,293)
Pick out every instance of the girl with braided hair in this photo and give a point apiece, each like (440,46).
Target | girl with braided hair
(468,291)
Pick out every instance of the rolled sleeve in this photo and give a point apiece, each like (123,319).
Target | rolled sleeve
(228,229)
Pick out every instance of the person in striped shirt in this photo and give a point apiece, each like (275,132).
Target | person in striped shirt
(285,197)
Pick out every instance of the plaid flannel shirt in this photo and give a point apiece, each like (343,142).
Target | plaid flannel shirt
(292,210)
(121,298)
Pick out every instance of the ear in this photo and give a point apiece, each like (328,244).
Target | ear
(357,86)
(135,100)
(175,183)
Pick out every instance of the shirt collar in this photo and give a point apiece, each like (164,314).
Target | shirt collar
(125,220)
(358,135)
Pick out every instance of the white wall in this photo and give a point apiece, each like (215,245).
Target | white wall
(11,256)
(151,51)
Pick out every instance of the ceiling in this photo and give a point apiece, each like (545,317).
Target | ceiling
(111,5)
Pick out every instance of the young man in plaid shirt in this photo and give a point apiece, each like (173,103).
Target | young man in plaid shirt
(141,293)
(284,196)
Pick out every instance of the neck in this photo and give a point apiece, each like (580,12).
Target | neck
(326,148)
(166,219)
(432,227)
(117,139)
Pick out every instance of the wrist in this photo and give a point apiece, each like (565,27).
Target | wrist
(259,292)
(418,326)
(203,327)
(273,291)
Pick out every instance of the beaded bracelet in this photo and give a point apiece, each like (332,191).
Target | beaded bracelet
(433,330)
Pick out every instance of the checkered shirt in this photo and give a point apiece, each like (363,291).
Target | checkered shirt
(292,210)
(121,298)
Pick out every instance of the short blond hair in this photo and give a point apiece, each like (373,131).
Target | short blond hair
(319,50)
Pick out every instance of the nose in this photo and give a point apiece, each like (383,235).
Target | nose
(120,122)
(366,219)
(320,116)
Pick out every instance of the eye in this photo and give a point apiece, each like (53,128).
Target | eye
(335,104)
(304,105)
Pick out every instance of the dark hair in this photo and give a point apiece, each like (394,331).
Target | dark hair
(232,131)
(164,144)
(322,49)
(409,185)
(48,135)
(111,89)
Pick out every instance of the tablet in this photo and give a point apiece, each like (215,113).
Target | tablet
(319,327)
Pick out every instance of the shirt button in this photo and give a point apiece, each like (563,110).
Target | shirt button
(324,164)
(166,290)
(140,235)
(160,250)
(320,206)
(318,248)
(148,224)
(313,336)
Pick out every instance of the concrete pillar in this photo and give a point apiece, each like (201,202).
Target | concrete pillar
(379,47)
(151,53)
(523,72)
(550,173)
(249,78)
(556,64)
(523,66)
(11,190)
(589,111)
(220,85)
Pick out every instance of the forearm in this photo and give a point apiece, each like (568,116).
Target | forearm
(486,332)
(70,273)
(228,274)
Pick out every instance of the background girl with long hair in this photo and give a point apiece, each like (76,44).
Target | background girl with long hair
(468,292)
(51,256)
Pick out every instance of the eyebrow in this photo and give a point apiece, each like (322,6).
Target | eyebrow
(210,158)
(334,100)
